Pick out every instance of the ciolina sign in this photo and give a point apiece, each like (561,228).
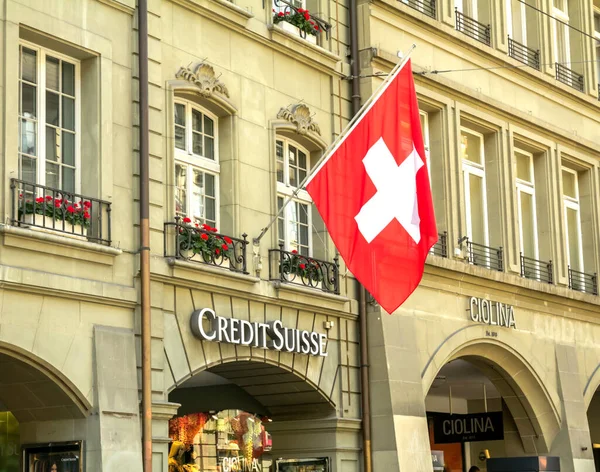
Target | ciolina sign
(271,335)
(492,313)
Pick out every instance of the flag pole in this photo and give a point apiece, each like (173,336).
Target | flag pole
(337,142)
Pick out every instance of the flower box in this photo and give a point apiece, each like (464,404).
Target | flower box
(51,225)
(290,28)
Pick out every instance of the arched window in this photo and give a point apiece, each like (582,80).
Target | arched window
(295,222)
(196,163)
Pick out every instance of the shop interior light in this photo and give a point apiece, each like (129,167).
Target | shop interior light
(596,446)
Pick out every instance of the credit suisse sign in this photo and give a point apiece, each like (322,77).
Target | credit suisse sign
(271,335)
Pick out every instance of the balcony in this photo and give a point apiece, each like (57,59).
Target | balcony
(569,77)
(483,256)
(473,28)
(291,267)
(599,92)
(536,270)
(57,211)
(202,244)
(441,247)
(523,54)
(582,282)
(427,7)
(299,21)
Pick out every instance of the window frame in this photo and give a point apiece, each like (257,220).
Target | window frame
(41,54)
(596,13)
(467,8)
(426,140)
(473,168)
(195,161)
(573,203)
(286,190)
(561,15)
(528,187)
(510,21)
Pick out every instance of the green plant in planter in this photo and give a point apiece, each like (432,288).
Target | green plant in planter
(301,266)
(202,240)
(75,213)
(300,18)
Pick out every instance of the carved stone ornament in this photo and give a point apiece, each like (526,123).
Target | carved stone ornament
(202,75)
(299,114)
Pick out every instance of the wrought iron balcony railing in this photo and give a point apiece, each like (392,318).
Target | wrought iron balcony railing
(484,256)
(50,209)
(598,91)
(319,25)
(583,282)
(291,267)
(473,28)
(523,54)
(441,247)
(537,270)
(427,7)
(569,77)
(187,241)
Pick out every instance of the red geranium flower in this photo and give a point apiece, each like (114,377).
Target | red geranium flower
(306,16)
(87,204)
(70,209)
(217,251)
(302,266)
(227,239)
(39,200)
(86,215)
(204,236)
(294,252)
(280,14)
(225,247)
(317,27)
(214,230)
(57,204)
(187,220)
(287,12)
(48,198)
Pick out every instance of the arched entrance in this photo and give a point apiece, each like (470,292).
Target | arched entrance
(32,391)
(592,398)
(232,411)
(487,401)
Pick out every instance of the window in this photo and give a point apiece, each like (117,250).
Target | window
(467,7)
(572,217)
(516,21)
(294,223)
(426,140)
(283,7)
(196,164)
(526,206)
(562,50)
(473,163)
(48,119)
(597,43)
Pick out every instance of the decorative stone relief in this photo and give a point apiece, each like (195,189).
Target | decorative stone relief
(299,115)
(203,76)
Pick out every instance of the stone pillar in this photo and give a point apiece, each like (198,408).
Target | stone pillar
(116,391)
(573,443)
(400,438)
(162,412)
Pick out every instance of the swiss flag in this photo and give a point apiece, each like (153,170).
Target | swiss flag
(374,196)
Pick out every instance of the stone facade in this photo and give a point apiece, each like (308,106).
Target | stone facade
(69,306)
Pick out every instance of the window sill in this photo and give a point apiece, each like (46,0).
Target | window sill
(309,51)
(42,241)
(311,292)
(222,11)
(211,270)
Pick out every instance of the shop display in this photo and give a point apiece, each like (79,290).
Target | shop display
(227,441)
(53,457)
(302,465)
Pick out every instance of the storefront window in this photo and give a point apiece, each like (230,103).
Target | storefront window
(227,441)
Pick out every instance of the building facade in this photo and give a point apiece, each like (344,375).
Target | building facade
(242,104)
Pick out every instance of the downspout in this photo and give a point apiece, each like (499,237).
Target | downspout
(145,237)
(362,294)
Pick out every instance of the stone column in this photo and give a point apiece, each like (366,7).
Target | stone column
(400,438)
(573,443)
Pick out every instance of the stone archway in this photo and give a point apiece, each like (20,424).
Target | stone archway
(33,390)
(535,412)
(276,389)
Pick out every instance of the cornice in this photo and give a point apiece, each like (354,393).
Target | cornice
(127,6)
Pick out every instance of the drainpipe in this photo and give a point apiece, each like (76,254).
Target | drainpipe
(362,294)
(145,237)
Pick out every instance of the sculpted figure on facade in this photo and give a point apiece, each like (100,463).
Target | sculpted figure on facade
(203,76)
(300,115)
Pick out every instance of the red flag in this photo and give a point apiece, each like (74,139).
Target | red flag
(374,196)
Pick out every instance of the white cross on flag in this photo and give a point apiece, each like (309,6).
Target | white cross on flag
(373,194)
